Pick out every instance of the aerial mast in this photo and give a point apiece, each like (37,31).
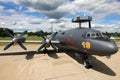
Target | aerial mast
(82,19)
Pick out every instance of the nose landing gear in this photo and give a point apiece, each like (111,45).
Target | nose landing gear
(85,59)
(87,64)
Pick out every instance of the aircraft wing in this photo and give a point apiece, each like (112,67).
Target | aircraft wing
(33,41)
(5,41)
(55,41)
(28,41)
(38,41)
(113,38)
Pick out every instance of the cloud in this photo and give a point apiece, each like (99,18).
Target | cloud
(21,22)
(52,9)
(57,12)
(59,8)
(107,27)
(1,8)
(11,11)
(52,20)
(35,21)
(98,9)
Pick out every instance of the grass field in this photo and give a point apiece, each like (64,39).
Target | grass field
(5,38)
(33,38)
(27,38)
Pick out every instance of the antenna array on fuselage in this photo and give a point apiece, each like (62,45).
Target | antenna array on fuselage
(82,19)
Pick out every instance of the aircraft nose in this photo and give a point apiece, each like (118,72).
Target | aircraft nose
(105,48)
(111,48)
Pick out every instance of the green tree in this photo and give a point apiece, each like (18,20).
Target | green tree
(3,34)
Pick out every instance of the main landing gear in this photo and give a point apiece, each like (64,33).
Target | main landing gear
(85,59)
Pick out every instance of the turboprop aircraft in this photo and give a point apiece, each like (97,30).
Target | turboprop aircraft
(84,41)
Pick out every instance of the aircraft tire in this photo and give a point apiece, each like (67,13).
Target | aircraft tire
(88,64)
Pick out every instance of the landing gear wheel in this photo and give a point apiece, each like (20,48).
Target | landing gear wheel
(88,64)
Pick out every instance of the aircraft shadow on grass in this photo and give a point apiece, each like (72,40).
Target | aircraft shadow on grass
(97,64)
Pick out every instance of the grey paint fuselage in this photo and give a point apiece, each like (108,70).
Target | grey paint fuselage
(75,39)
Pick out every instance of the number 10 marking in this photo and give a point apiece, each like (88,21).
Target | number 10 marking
(86,45)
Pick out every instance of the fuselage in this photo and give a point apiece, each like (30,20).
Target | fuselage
(86,40)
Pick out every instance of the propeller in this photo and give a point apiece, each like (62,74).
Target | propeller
(112,37)
(47,42)
(18,39)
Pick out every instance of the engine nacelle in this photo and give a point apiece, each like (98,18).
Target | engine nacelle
(47,45)
(22,40)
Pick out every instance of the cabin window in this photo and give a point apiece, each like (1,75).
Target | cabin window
(93,35)
(63,33)
(97,34)
(88,35)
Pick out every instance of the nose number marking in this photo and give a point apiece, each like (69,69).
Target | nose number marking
(86,45)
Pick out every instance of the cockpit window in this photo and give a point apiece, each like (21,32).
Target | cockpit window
(94,35)
(97,34)
(88,35)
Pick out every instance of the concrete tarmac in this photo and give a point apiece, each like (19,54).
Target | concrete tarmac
(17,64)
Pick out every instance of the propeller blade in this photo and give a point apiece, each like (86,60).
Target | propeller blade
(52,36)
(54,47)
(115,34)
(42,46)
(22,46)
(108,34)
(22,34)
(40,33)
(8,33)
(112,37)
(10,44)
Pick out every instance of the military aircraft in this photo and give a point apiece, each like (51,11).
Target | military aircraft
(84,41)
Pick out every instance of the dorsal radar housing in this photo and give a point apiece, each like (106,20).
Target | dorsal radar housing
(82,19)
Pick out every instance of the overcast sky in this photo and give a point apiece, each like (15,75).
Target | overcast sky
(33,15)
